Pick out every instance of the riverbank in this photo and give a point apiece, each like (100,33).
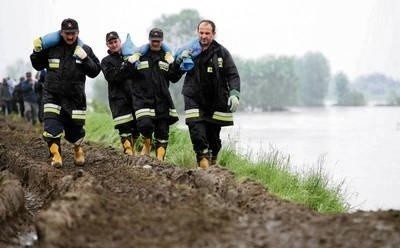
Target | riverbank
(312,188)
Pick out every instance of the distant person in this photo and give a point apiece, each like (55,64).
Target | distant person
(119,77)
(155,110)
(31,107)
(18,97)
(211,94)
(5,97)
(68,62)
(11,86)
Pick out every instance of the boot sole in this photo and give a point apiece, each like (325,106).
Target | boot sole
(79,164)
(57,165)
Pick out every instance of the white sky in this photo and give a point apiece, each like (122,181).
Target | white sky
(357,36)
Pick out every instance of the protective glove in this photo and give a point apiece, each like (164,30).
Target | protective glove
(233,100)
(37,45)
(80,53)
(133,58)
(185,54)
(169,57)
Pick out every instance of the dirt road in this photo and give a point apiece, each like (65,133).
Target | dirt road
(120,201)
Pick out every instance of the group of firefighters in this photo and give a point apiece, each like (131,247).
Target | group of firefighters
(138,91)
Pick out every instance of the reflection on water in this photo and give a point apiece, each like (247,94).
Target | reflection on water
(358,144)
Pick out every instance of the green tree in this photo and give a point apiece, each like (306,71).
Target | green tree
(268,83)
(178,29)
(314,74)
(345,96)
(393,99)
(342,87)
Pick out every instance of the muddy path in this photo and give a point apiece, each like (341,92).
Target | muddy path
(120,201)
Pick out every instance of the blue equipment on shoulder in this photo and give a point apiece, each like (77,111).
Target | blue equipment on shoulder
(128,48)
(194,49)
(51,39)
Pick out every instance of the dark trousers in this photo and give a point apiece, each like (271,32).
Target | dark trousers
(205,139)
(160,127)
(55,127)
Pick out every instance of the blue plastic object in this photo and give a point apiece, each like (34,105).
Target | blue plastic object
(187,64)
(143,49)
(195,49)
(166,48)
(128,48)
(51,39)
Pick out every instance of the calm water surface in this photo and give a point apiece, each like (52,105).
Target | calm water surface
(358,144)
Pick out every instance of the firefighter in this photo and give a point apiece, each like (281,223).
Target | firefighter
(154,108)
(211,93)
(119,77)
(68,61)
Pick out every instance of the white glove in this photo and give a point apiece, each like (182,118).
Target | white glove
(80,53)
(233,101)
(133,58)
(169,57)
(37,45)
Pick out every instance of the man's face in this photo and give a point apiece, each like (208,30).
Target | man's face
(155,45)
(114,45)
(206,34)
(69,37)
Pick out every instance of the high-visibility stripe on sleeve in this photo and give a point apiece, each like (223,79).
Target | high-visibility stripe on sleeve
(51,108)
(79,114)
(173,113)
(221,116)
(145,112)
(123,119)
(192,113)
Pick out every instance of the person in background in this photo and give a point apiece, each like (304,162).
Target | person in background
(5,97)
(155,111)
(211,94)
(67,62)
(18,97)
(119,77)
(30,98)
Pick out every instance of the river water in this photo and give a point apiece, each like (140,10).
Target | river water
(360,145)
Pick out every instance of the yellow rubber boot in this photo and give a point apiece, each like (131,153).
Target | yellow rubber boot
(79,156)
(160,153)
(56,159)
(128,149)
(146,147)
(204,163)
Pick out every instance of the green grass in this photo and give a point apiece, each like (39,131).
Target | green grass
(311,188)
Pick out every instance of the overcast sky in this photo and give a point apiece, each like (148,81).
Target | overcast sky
(357,36)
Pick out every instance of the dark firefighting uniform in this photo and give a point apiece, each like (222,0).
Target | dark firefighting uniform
(206,90)
(154,108)
(64,96)
(119,77)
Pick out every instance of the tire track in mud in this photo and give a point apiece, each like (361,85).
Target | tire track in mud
(116,201)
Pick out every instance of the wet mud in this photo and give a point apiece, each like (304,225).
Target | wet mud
(121,201)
